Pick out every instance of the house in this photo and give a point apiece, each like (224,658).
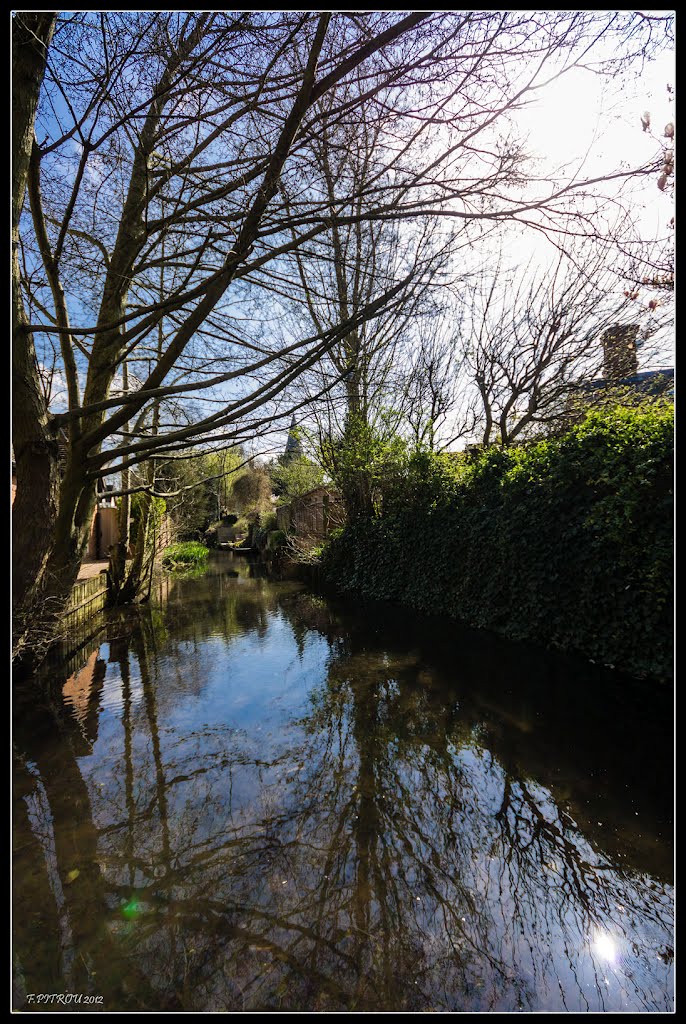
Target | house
(105,525)
(621,376)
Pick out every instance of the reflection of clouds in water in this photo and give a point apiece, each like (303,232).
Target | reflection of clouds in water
(112,697)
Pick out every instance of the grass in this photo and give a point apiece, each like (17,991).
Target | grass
(190,554)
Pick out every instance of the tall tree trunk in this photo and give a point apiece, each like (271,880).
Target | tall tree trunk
(35,447)
(116,573)
(31,35)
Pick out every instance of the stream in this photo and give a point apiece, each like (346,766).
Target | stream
(247,795)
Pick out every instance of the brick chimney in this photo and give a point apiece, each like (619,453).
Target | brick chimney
(620,359)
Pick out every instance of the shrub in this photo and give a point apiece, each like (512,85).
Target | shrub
(565,541)
(276,539)
(295,476)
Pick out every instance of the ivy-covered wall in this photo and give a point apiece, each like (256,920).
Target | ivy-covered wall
(566,541)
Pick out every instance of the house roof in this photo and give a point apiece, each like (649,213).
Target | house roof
(650,381)
(319,489)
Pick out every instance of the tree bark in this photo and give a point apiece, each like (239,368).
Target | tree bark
(31,35)
(35,446)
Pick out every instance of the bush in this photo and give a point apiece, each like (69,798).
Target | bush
(565,541)
(276,539)
(365,463)
(185,555)
(251,491)
(267,521)
(294,476)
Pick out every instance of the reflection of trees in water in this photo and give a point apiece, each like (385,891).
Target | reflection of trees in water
(217,607)
(384,859)
(81,951)
(595,740)
(37,940)
(531,873)
(549,880)
(425,820)
(191,612)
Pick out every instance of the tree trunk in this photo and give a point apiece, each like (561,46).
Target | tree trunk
(35,506)
(116,573)
(35,447)
(127,586)
(70,533)
(31,35)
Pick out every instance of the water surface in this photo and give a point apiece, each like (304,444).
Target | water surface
(252,797)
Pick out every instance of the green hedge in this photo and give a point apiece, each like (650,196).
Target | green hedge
(565,541)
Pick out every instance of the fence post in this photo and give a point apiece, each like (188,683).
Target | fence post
(325,514)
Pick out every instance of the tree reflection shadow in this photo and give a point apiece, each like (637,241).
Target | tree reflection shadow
(387,855)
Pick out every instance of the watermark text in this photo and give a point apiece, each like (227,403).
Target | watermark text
(67,998)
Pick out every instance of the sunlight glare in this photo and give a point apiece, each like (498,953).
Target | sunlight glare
(605,947)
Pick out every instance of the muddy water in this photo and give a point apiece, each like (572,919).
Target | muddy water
(247,796)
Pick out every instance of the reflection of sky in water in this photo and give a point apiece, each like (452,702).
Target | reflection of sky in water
(241,683)
(250,687)
(228,700)
(372,837)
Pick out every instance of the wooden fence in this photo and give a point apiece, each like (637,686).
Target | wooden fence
(314,515)
(74,649)
(87,598)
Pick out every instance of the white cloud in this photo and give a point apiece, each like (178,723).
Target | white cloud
(54,386)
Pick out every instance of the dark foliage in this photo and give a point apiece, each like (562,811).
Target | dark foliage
(566,541)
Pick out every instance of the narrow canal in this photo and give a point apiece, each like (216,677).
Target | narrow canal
(247,796)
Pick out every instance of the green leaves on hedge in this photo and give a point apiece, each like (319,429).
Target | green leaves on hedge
(565,541)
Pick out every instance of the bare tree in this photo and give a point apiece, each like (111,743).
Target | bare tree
(535,338)
(338,272)
(34,449)
(356,387)
(433,396)
(166,145)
